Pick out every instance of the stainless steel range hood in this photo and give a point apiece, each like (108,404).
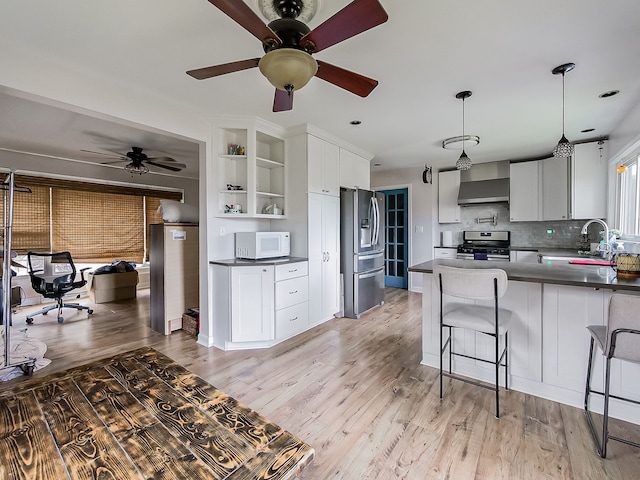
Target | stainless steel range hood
(484,183)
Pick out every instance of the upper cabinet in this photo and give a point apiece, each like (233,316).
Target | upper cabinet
(323,166)
(524,195)
(555,188)
(589,180)
(354,170)
(251,173)
(560,188)
(448,187)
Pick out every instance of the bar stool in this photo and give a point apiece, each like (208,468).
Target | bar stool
(620,339)
(480,285)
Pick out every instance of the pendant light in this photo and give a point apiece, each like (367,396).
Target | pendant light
(564,148)
(464,162)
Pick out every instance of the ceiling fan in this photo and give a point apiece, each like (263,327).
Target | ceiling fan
(138,161)
(289,43)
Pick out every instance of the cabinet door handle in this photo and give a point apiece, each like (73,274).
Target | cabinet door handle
(293,271)
(293,319)
(294,292)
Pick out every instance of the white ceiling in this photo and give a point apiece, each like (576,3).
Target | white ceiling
(501,50)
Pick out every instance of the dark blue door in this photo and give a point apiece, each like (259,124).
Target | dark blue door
(396,235)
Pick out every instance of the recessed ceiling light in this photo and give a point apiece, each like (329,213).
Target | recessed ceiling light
(355,122)
(610,93)
(587,130)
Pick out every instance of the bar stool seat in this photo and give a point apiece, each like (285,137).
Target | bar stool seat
(619,339)
(478,285)
(477,317)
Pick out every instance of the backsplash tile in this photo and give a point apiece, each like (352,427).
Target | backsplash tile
(566,233)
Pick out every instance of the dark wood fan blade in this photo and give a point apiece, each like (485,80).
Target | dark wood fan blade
(283,101)
(214,71)
(357,17)
(162,159)
(242,14)
(174,167)
(350,81)
(113,155)
(116,161)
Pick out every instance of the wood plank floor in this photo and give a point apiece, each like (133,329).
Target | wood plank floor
(355,391)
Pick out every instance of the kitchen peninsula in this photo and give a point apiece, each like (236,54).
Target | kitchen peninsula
(548,341)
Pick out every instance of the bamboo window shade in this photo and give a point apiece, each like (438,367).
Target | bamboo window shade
(94,222)
(31,228)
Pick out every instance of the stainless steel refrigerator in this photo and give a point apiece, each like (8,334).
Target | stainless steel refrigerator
(362,250)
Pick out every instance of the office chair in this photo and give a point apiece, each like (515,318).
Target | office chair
(53,275)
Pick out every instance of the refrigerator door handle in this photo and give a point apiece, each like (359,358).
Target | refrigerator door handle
(377,208)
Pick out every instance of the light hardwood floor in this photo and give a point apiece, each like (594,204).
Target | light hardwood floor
(356,392)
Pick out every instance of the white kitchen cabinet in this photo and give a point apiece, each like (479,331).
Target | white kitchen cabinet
(555,188)
(524,193)
(291,299)
(539,190)
(257,306)
(254,162)
(589,180)
(448,188)
(445,253)
(323,166)
(354,170)
(252,303)
(567,311)
(324,257)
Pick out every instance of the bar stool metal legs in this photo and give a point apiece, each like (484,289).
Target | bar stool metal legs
(603,437)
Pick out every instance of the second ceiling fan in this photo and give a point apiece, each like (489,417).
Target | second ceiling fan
(289,43)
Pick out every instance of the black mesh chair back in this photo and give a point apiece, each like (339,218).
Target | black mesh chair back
(53,275)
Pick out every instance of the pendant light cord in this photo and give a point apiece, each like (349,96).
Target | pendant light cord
(463,124)
(563,104)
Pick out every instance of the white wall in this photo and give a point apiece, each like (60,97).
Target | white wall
(626,133)
(422,213)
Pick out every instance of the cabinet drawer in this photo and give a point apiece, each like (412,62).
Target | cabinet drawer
(292,320)
(292,291)
(291,270)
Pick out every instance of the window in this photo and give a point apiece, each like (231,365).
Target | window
(629,197)
(96,223)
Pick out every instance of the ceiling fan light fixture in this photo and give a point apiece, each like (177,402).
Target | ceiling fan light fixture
(288,68)
(139,169)
(564,148)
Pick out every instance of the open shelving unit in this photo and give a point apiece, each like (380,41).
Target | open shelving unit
(258,172)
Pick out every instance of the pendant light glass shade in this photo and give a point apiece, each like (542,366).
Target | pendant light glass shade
(564,148)
(464,162)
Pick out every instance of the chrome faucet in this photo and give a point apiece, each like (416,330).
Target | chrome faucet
(606,233)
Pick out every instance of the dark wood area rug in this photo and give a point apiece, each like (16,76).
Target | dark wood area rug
(138,415)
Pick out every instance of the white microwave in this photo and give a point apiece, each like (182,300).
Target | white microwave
(259,245)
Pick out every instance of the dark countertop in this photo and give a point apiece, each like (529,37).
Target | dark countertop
(239,262)
(574,275)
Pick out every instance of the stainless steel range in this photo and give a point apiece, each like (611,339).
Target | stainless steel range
(492,246)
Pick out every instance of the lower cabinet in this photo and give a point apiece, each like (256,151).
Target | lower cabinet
(257,306)
(450,253)
(252,303)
